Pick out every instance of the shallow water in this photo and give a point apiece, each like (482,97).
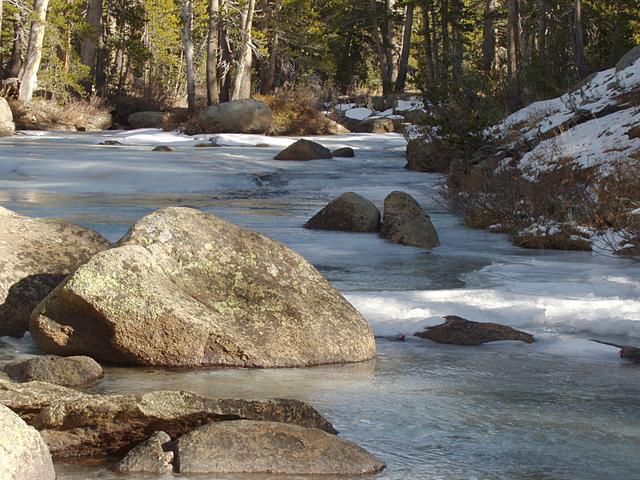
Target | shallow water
(562,408)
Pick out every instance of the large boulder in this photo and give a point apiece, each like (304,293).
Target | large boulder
(76,424)
(186,288)
(349,212)
(36,255)
(459,331)
(376,125)
(97,122)
(148,119)
(7,127)
(406,222)
(24,455)
(628,58)
(237,116)
(154,455)
(433,155)
(304,150)
(67,371)
(269,447)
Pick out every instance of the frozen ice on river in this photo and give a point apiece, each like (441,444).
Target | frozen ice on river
(561,408)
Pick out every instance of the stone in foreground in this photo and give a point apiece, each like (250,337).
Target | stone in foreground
(75,424)
(349,212)
(66,371)
(154,455)
(186,288)
(35,256)
(269,447)
(459,331)
(24,455)
(405,222)
(304,150)
(237,116)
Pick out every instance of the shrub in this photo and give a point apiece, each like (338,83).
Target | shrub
(74,113)
(296,112)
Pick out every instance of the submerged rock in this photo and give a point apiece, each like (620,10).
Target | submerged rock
(460,331)
(75,424)
(345,152)
(349,212)
(304,150)
(237,116)
(187,288)
(630,353)
(25,456)
(110,143)
(67,371)
(154,455)
(406,222)
(35,256)
(268,447)
(163,148)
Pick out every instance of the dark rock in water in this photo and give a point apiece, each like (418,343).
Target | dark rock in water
(349,212)
(405,222)
(304,150)
(75,424)
(24,454)
(392,338)
(35,256)
(630,353)
(164,148)
(67,371)
(186,288)
(459,331)
(154,455)
(243,446)
(110,142)
(345,152)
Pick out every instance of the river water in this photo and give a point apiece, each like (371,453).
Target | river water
(562,408)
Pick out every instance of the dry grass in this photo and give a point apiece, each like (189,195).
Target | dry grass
(45,114)
(296,112)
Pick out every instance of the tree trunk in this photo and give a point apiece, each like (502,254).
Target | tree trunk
(33,56)
(428,45)
(213,91)
(89,48)
(457,41)
(15,62)
(403,64)
(187,43)
(446,52)
(242,81)
(542,27)
(378,40)
(513,51)
(390,43)
(1,14)
(488,37)
(580,59)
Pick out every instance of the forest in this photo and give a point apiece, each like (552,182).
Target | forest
(489,57)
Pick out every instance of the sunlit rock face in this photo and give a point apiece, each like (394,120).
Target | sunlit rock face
(187,288)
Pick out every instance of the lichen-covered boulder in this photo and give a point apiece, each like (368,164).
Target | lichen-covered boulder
(349,212)
(35,256)
(304,150)
(186,288)
(67,371)
(237,116)
(24,455)
(406,222)
(7,127)
(460,331)
(244,446)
